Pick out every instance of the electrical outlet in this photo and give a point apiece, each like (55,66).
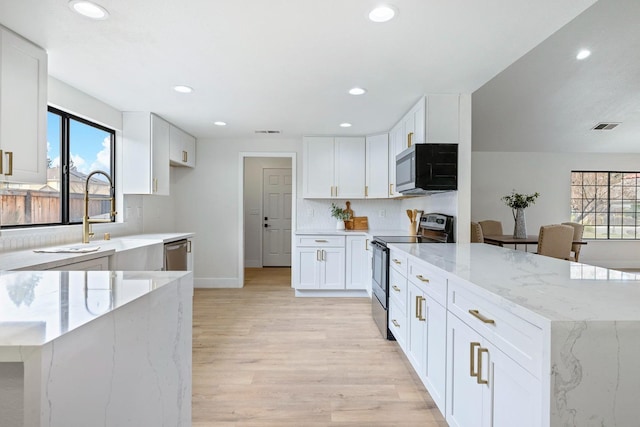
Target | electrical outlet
(382,213)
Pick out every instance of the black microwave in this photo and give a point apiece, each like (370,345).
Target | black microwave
(427,168)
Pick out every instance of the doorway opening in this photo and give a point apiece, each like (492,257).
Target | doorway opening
(267,209)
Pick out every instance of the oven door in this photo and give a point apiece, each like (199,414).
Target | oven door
(380,272)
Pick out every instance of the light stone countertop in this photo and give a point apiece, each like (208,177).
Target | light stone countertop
(536,287)
(370,232)
(29,260)
(39,307)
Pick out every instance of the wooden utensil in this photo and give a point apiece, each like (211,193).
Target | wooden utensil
(409,214)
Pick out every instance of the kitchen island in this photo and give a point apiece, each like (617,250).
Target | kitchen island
(530,340)
(86,348)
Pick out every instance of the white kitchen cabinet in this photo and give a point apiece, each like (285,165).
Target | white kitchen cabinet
(320,262)
(96,264)
(426,346)
(23,110)
(145,153)
(334,167)
(350,167)
(486,387)
(358,269)
(318,168)
(396,145)
(377,167)
(182,148)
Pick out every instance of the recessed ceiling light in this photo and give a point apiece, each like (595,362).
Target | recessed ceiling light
(220,123)
(584,53)
(357,91)
(89,9)
(345,125)
(382,13)
(183,89)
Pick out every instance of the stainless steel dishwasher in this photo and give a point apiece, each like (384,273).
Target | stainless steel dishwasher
(175,255)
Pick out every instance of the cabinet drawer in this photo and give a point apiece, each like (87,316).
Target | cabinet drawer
(516,337)
(432,283)
(321,241)
(398,261)
(398,288)
(398,324)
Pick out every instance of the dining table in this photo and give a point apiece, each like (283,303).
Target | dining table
(508,239)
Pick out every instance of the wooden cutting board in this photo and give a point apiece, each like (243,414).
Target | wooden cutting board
(360,223)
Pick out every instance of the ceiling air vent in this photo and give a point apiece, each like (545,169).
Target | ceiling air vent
(605,126)
(268,132)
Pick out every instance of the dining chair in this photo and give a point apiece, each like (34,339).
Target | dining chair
(578,231)
(491,227)
(476,233)
(555,241)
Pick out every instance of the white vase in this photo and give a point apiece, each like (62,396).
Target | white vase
(520,227)
(339,225)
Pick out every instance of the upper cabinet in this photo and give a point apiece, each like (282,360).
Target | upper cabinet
(145,153)
(334,167)
(433,119)
(23,110)
(182,148)
(377,166)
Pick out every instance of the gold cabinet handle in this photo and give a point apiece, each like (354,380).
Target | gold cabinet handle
(409,139)
(418,297)
(422,278)
(155,185)
(479,377)
(336,191)
(322,241)
(395,288)
(396,261)
(1,156)
(324,255)
(472,358)
(318,255)
(10,157)
(395,323)
(477,315)
(366,244)
(188,246)
(366,191)
(184,156)
(391,189)
(420,313)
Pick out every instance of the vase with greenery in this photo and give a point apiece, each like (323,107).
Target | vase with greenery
(341,215)
(518,202)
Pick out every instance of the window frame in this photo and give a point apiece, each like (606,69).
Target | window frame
(609,213)
(65,156)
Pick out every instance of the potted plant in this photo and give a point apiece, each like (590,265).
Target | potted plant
(518,202)
(341,215)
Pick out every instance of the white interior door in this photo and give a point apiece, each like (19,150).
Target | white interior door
(276,199)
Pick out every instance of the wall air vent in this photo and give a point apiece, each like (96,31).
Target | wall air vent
(605,126)
(268,132)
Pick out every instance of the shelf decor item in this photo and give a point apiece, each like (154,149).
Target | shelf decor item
(518,203)
(341,215)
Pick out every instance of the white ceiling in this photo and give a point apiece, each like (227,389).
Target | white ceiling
(549,101)
(283,64)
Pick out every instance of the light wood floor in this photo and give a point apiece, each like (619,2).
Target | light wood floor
(262,357)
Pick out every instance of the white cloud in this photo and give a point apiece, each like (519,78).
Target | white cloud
(103,158)
(80,163)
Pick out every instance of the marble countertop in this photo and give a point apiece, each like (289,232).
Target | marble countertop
(539,287)
(30,260)
(38,307)
(370,232)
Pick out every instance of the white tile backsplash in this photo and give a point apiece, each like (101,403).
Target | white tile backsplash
(316,214)
(36,237)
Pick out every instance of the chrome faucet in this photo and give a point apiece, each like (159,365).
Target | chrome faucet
(86,221)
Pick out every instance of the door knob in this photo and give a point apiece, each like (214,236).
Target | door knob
(266,219)
(266,226)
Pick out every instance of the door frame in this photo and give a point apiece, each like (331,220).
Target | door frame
(294,198)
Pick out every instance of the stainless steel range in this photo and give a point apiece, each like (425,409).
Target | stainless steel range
(434,228)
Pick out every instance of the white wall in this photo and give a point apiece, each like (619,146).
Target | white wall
(495,174)
(253,195)
(206,201)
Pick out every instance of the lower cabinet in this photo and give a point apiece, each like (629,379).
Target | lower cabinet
(427,342)
(96,264)
(358,269)
(320,262)
(485,387)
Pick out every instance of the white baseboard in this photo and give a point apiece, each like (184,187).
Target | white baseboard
(253,263)
(332,294)
(216,282)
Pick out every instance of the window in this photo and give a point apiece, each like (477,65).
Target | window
(607,203)
(75,148)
